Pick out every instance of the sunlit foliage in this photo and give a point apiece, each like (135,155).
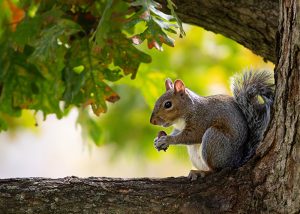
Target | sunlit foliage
(56,55)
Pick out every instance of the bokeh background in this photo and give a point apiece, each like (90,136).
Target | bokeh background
(124,136)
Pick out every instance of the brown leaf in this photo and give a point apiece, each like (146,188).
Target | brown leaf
(17,14)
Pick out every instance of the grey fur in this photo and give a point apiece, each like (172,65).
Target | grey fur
(246,89)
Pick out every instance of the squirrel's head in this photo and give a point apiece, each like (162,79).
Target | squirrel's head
(172,105)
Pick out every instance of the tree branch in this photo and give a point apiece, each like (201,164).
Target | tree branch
(224,191)
(251,23)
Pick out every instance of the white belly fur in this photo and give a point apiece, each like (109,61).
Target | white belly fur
(195,153)
(179,124)
(195,150)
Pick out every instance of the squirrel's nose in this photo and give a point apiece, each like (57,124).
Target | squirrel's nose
(153,120)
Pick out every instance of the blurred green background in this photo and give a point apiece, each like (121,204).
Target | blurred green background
(203,60)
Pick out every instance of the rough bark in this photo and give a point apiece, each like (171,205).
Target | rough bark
(269,183)
(213,194)
(251,23)
(278,172)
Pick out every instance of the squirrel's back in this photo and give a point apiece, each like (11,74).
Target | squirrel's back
(226,114)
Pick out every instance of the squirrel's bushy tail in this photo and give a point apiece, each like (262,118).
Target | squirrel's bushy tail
(254,93)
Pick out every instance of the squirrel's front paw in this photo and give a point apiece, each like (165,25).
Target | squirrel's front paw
(160,142)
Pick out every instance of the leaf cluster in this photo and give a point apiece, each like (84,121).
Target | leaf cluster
(56,55)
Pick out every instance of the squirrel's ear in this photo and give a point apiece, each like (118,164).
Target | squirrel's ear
(179,87)
(169,84)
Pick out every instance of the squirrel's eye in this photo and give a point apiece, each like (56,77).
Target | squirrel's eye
(168,104)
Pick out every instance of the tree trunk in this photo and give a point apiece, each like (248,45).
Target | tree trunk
(269,183)
(278,172)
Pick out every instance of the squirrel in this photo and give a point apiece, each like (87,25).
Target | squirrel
(220,131)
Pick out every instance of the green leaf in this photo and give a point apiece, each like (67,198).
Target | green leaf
(103,28)
(129,58)
(157,22)
(165,26)
(111,45)
(160,14)
(46,46)
(112,74)
(78,69)
(172,7)
(73,83)
(27,30)
(88,87)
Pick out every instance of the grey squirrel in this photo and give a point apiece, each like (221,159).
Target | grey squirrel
(220,131)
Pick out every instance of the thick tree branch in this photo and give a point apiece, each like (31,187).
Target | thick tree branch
(225,191)
(250,23)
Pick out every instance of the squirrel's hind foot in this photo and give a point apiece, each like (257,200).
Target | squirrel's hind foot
(195,174)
